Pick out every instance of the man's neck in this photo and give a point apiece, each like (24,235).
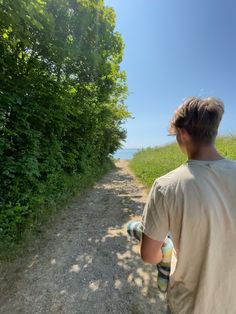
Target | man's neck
(204,152)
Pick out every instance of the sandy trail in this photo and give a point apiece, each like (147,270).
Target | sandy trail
(84,263)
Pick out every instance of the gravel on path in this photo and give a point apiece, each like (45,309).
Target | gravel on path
(84,262)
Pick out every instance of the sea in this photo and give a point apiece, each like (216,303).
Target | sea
(125,153)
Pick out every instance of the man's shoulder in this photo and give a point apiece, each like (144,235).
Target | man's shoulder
(175,177)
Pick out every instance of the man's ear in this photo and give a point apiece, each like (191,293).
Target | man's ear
(185,137)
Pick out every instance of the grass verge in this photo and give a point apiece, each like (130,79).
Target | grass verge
(151,163)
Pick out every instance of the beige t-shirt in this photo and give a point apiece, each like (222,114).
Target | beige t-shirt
(196,202)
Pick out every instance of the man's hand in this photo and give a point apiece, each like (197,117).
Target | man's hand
(150,250)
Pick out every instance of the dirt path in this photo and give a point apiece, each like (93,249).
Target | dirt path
(84,262)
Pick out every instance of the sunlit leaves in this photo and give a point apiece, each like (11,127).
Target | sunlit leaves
(62,96)
(5,36)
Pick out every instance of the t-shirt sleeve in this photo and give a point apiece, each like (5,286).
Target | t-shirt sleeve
(155,218)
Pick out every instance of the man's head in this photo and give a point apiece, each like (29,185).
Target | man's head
(195,122)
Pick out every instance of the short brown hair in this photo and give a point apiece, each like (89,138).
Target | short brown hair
(200,117)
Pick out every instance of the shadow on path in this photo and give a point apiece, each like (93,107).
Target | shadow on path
(86,264)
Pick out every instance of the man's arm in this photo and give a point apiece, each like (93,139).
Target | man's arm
(150,250)
(155,225)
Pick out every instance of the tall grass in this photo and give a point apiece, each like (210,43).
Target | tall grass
(151,163)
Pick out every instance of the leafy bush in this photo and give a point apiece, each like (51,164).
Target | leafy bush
(62,102)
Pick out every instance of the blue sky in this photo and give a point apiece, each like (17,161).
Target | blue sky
(175,49)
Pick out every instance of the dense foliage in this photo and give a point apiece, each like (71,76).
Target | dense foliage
(62,102)
(151,163)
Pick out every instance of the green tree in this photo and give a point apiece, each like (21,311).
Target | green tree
(62,99)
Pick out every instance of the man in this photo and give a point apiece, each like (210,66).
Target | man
(196,202)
